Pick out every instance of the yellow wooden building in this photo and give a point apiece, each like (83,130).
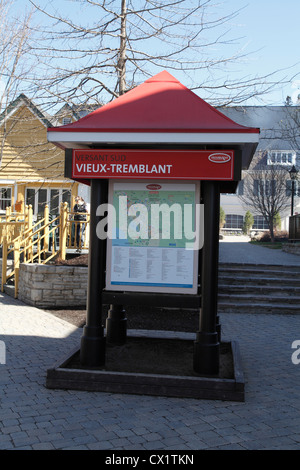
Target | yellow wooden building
(32,169)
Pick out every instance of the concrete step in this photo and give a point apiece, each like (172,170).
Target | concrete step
(257,307)
(262,305)
(10,267)
(255,288)
(262,280)
(9,289)
(259,298)
(259,274)
(259,267)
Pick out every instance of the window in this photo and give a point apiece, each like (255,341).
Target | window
(281,157)
(54,201)
(288,189)
(30,198)
(66,121)
(270,187)
(42,200)
(5,198)
(66,197)
(260,223)
(240,188)
(38,198)
(257,187)
(264,187)
(234,221)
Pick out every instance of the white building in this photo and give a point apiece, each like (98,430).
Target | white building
(279,145)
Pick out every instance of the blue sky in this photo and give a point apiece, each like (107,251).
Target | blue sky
(269,30)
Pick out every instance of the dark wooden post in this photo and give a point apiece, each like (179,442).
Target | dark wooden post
(92,352)
(207,346)
(116,325)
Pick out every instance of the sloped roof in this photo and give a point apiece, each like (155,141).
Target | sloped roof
(276,124)
(161,103)
(159,111)
(20,101)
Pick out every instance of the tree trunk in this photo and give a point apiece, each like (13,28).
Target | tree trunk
(122,55)
(271,227)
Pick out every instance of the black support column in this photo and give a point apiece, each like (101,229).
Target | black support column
(92,352)
(207,346)
(116,325)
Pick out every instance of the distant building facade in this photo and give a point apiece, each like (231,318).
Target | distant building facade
(279,146)
(32,169)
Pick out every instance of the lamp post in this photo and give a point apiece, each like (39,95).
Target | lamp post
(293,174)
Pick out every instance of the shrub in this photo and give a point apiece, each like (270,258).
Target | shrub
(280,236)
(222,217)
(248,222)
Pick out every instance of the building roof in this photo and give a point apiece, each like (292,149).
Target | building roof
(275,122)
(161,103)
(159,111)
(22,100)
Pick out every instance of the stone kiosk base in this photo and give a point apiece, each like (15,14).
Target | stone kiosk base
(123,372)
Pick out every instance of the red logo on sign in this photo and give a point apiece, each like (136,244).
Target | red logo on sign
(153,187)
(219,158)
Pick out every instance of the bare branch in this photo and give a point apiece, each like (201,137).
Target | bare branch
(265,191)
(119,44)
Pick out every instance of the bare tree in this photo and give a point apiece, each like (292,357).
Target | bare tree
(14,68)
(290,126)
(20,126)
(101,48)
(265,192)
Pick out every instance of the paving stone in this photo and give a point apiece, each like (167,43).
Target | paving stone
(154,445)
(33,417)
(43,446)
(103,445)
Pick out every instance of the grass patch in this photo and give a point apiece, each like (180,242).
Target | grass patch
(272,246)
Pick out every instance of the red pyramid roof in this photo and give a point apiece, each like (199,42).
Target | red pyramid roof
(160,111)
(160,104)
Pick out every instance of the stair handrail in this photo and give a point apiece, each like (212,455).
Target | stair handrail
(77,227)
(24,243)
(38,235)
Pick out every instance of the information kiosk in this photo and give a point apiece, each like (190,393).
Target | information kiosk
(158,153)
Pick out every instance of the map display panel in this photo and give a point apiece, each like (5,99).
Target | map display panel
(150,249)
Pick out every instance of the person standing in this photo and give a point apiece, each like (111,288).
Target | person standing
(80,210)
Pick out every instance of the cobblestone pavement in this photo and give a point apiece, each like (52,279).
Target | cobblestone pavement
(33,417)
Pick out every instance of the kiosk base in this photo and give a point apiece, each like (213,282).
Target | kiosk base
(162,381)
(92,352)
(207,353)
(116,325)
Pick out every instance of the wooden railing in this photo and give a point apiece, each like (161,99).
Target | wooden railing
(13,223)
(40,242)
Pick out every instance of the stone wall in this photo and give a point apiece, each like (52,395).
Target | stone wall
(293,248)
(50,286)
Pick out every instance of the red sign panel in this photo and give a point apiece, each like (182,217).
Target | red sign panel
(156,164)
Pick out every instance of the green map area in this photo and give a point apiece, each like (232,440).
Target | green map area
(154,218)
